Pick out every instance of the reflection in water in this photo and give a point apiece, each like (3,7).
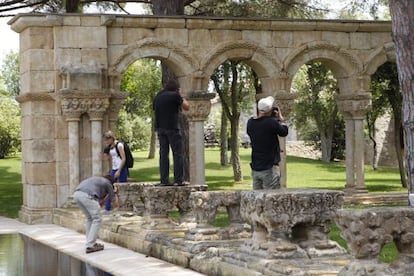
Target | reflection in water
(11,255)
(20,255)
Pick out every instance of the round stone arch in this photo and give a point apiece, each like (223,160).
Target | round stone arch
(265,64)
(380,56)
(345,66)
(177,60)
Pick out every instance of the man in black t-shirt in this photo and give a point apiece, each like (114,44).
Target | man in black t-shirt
(167,104)
(263,131)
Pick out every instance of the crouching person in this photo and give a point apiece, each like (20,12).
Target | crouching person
(90,196)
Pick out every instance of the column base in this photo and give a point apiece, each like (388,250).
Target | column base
(36,215)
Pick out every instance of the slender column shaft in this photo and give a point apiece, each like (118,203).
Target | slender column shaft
(196,152)
(349,156)
(96,144)
(73,130)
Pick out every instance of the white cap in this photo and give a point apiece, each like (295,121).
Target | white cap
(265,104)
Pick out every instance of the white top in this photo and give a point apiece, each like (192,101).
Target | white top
(116,159)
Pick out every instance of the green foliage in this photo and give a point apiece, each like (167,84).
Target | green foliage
(365,10)
(10,74)
(316,114)
(133,130)
(259,8)
(9,126)
(142,80)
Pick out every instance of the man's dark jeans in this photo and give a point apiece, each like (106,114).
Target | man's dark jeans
(173,138)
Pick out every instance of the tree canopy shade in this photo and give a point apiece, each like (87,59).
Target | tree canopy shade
(246,8)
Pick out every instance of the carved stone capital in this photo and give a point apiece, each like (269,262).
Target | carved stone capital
(200,105)
(354,105)
(285,101)
(77,103)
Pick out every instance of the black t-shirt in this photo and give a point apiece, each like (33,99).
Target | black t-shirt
(263,133)
(166,106)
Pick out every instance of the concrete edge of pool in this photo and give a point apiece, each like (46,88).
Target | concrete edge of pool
(114,259)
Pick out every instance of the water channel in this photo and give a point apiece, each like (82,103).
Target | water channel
(23,256)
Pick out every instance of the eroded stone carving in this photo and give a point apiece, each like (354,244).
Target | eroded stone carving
(290,223)
(368,230)
(204,208)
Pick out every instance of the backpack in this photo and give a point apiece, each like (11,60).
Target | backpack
(128,155)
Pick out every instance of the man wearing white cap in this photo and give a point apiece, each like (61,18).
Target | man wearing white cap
(263,131)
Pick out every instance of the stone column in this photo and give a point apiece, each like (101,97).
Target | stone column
(71,107)
(285,101)
(200,106)
(96,142)
(73,132)
(354,107)
(116,102)
(349,154)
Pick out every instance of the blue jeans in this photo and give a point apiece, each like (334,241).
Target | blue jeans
(90,207)
(171,138)
(267,179)
(123,177)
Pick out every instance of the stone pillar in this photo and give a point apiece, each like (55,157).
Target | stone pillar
(285,101)
(73,132)
(200,106)
(96,142)
(74,104)
(349,154)
(116,102)
(354,107)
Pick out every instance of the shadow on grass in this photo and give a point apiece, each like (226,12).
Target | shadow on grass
(11,190)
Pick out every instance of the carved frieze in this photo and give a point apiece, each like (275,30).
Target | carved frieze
(200,105)
(79,103)
(354,105)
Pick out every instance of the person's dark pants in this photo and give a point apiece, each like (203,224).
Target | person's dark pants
(173,138)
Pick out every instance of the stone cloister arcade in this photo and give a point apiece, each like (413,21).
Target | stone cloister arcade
(72,64)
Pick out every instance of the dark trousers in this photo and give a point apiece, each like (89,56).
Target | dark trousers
(173,138)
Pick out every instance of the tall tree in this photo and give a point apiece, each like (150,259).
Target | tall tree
(316,105)
(402,14)
(9,72)
(387,96)
(142,80)
(233,82)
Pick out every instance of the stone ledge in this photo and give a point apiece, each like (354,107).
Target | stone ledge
(377,199)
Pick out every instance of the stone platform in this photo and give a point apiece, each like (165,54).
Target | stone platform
(280,232)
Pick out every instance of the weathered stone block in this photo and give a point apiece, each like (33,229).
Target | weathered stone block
(32,174)
(41,150)
(263,38)
(36,38)
(42,196)
(37,81)
(80,37)
(37,60)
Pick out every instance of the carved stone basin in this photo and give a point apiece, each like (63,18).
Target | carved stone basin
(290,220)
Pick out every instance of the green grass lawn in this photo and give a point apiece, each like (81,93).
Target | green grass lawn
(301,173)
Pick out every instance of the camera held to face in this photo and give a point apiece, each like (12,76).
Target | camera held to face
(275,112)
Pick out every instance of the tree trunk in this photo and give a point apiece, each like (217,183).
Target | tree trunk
(153,140)
(234,144)
(224,158)
(402,14)
(326,144)
(72,6)
(371,135)
(399,149)
(168,7)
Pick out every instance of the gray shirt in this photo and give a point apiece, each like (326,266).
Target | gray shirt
(97,186)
